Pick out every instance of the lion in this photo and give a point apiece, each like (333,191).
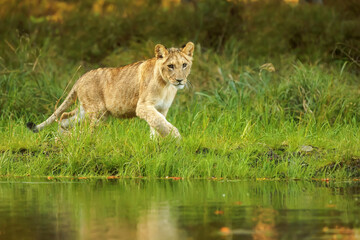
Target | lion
(145,89)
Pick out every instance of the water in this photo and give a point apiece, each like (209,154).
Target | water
(171,210)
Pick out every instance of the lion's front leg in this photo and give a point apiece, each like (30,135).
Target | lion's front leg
(154,134)
(157,121)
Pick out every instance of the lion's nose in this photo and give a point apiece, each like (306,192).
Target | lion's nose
(179,80)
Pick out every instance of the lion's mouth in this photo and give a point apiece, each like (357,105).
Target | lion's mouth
(179,85)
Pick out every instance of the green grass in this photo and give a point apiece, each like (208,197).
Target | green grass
(254,126)
(250,124)
(228,145)
(237,121)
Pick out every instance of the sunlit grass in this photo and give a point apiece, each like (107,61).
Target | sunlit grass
(215,144)
(244,124)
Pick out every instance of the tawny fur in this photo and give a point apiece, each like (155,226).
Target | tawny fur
(145,89)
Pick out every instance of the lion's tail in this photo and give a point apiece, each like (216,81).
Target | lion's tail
(65,105)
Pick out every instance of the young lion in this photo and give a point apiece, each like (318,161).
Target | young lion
(145,89)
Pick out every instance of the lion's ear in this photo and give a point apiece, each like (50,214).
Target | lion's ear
(189,49)
(160,51)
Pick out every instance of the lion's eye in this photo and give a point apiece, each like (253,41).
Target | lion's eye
(171,66)
(184,65)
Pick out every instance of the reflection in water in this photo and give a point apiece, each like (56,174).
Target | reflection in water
(23,215)
(154,224)
(158,224)
(340,232)
(265,224)
(108,228)
(167,209)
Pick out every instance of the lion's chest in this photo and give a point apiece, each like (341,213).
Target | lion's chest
(163,105)
(164,102)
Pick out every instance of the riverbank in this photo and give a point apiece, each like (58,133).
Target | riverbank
(266,100)
(217,142)
(297,122)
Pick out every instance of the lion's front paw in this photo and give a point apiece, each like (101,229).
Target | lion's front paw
(175,133)
(154,134)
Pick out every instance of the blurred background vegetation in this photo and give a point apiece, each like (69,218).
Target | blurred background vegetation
(315,48)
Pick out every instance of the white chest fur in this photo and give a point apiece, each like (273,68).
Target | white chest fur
(164,102)
(163,105)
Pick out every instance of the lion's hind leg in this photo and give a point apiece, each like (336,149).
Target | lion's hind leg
(69,119)
(96,117)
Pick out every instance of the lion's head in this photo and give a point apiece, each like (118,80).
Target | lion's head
(175,63)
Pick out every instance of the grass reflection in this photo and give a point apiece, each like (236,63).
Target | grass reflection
(167,209)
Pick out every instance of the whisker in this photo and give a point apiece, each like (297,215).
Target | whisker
(189,84)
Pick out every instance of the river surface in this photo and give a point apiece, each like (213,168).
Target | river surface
(169,209)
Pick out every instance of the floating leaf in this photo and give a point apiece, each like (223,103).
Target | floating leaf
(331,205)
(219,212)
(225,230)
(112,177)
